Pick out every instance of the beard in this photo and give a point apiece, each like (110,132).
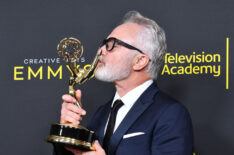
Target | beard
(110,73)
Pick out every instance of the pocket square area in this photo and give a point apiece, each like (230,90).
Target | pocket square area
(133,134)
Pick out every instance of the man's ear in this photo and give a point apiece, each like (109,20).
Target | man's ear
(140,62)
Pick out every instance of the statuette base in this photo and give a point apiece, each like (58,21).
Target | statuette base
(75,137)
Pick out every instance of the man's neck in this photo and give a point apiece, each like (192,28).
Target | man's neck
(126,85)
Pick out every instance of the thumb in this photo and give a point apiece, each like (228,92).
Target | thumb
(78,96)
(96,145)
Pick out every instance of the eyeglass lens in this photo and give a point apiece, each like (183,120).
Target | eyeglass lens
(109,44)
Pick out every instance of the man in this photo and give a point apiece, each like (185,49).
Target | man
(146,121)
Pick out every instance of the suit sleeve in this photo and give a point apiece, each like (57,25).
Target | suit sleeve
(173,133)
(93,119)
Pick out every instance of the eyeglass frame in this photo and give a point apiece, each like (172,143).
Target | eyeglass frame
(121,43)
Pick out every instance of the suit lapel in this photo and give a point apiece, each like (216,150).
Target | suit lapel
(145,100)
(104,117)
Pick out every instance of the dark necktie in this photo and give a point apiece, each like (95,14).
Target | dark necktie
(111,124)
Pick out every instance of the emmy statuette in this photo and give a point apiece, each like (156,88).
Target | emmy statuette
(70,49)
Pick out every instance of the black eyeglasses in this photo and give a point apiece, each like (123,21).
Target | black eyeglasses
(110,44)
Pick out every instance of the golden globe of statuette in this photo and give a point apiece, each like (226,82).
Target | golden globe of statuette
(70,49)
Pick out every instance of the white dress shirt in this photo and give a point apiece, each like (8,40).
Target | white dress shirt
(128,99)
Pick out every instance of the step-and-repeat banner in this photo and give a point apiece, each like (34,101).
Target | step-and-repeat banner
(198,69)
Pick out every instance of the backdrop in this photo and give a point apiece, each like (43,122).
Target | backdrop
(198,68)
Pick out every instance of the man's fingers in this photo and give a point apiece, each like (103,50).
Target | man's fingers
(65,114)
(74,151)
(67,119)
(70,113)
(73,108)
(76,109)
(68,98)
(78,95)
(96,145)
(99,150)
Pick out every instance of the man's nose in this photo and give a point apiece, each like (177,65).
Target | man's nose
(103,49)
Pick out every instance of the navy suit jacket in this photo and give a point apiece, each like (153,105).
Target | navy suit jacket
(164,125)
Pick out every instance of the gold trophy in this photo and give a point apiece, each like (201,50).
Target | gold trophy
(70,49)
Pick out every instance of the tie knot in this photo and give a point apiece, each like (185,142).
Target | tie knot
(117,104)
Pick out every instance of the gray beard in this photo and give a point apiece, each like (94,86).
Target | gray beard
(110,73)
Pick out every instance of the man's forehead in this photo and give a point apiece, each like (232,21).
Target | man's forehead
(126,31)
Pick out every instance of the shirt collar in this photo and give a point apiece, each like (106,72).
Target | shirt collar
(130,98)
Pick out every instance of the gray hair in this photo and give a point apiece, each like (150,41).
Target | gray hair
(152,40)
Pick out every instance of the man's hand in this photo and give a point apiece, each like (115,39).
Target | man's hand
(99,150)
(70,113)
